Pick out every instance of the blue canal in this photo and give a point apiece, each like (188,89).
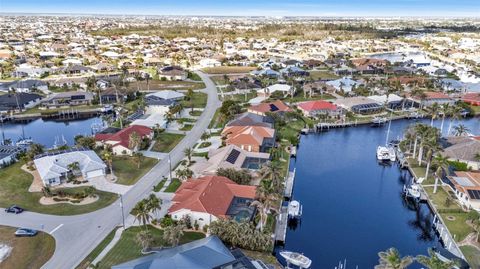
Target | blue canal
(46,132)
(352,206)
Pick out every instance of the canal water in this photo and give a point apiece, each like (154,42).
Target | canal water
(46,132)
(352,206)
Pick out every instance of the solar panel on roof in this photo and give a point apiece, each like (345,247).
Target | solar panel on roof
(474,194)
(232,157)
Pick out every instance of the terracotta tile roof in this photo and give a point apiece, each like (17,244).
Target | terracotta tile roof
(247,135)
(123,136)
(317,105)
(276,106)
(209,194)
(472,97)
(436,95)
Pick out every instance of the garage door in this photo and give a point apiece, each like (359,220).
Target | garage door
(95,173)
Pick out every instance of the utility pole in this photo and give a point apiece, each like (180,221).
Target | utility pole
(170,165)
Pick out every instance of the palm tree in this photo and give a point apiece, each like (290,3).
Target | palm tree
(173,233)
(391,259)
(138,158)
(434,109)
(434,262)
(445,111)
(144,239)
(460,130)
(188,153)
(184,174)
(442,165)
(108,157)
(271,171)
(153,203)
(141,212)
(134,141)
(169,117)
(205,136)
(431,147)
(455,113)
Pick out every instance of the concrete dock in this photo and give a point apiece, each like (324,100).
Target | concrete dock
(281,226)
(289,185)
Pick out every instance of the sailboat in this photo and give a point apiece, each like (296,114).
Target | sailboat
(23,142)
(386,153)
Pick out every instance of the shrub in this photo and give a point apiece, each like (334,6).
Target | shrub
(241,177)
(459,166)
(205,228)
(166,221)
(196,225)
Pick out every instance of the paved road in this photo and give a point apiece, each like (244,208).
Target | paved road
(76,236)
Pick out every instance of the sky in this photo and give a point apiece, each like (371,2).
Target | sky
(325,8)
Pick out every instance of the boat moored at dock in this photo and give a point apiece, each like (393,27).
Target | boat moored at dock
(296,259)
(294,210)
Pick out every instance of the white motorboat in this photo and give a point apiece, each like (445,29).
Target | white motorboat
(379,120)
(294,210)
(296,258)
(24,142)
(413,191)
(392,154)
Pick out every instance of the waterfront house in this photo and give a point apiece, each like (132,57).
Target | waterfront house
(67,99)
(112,95)
(230,156)
(8,154)
(120,141)
(466,186)
(463,149)
(472,98)
(18,101)
(54,167)
(431,98)
(209,198)
(167,95)
(206,253)
(276,106)
(319,108)
(391,101)
(250,138)
(359,104)
(345,84)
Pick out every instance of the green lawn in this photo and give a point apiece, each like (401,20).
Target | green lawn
(476,109)
(440,197)
(155,85)
(240,97)
(174,185)
(159,186)
(14,190)
(300,97)
(199,100)
(127,171)
(195,113)
(27,252)
(55,110)
(97,250)
(472,255)
(457,227)
(186,127)
(323,75)
(216,121)
(127,248)
(165,142)
(228,69)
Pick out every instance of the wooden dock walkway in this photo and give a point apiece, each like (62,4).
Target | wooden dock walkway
(287,194)
(281,226)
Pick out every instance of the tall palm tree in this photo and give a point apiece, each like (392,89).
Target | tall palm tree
(391,259)
(460,130)
(138,158)
(144,239)
(445,109)
(173,233)
(434,262)
(134,141)
(142,212)
(153,203)
(455,114)
(108,157)
(431,147)
(434,109)
(442,164)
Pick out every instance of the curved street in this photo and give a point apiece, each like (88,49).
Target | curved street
(76,236)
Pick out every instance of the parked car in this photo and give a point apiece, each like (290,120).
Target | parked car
(14,209)
(25,232)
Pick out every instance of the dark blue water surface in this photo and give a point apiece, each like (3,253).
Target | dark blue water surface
(352,206)
(44,132)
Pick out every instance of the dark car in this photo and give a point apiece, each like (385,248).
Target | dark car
(25,232)
(14,209)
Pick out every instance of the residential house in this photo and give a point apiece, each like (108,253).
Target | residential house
(26,86)
(391,101)
(73,98)
(463,149)
(466,186)
(431,98)
(172,73)
(284,89)
(250,138)
(8,154)
(18,101)
(319,108)
(276,106)
(111,95)
(206,253)
(251,119)
(54,167)
(209,198)
(345,84)
(361,105)
(472,98)
(230,156)
(120,141)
